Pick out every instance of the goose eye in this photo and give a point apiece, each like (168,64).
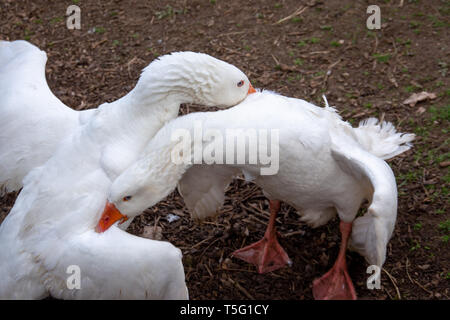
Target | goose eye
(126,198)
(240,83)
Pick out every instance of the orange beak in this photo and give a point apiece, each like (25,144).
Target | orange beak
(251,89)
(109,216)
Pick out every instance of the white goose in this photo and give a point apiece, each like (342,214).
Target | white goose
(34,121)
(51,225)
(325,167)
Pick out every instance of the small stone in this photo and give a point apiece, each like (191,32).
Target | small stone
(172,217)
(421,110)
(226,263)
(424,267)
(444,164)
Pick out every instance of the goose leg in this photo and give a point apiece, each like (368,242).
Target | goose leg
(266,254)
(336,284)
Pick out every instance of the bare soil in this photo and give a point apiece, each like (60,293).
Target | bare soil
(326,49)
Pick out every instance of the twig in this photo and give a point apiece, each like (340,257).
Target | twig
(293,233)
(241,288)
(258,220)
(156,221)
(316,52)
(209,271)
(329,71)
(232,51)
(62,40)
(275,59)
(209,245)
(394,283)
(388,294)
(415,281)
(96,44)
(240,270)
(199,243)
(230,33)
(333,64)
(129,64)
(251,194)
(215,223)
(258,211)
(376,44)
(297,12)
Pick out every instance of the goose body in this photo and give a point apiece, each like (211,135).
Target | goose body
(321,169)
(326,167)
(51,225)
(39,248)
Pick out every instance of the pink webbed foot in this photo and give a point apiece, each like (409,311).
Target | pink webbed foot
(336,284)
(266,254)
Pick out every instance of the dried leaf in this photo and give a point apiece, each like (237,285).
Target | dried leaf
(285,67)
(417,97)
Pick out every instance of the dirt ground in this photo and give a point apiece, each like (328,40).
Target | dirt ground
(326,49)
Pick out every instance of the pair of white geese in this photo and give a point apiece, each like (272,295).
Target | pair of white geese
(83,173)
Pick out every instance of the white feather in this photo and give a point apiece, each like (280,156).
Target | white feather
(382,139)
(32,119)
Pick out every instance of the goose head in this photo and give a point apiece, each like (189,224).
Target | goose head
(194,78)
(139,187)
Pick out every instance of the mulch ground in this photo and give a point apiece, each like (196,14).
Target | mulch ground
(326,49)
